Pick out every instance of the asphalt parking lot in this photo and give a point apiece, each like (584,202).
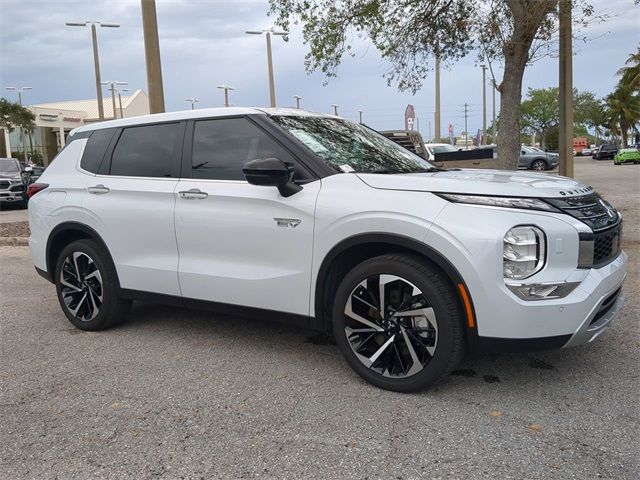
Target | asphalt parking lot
(185,394)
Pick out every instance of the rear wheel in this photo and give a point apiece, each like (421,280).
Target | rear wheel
(398,323)
(87,287)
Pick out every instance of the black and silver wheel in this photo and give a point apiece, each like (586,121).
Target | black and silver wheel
(539,165)
(398,322)
(87,286)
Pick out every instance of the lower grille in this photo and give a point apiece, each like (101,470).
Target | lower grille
(4,184)
(606,245)
(606,306)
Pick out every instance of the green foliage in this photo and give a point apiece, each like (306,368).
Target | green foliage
(13,115)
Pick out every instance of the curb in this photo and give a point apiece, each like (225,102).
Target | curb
(14,241)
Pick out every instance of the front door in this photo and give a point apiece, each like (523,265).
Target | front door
(238,243)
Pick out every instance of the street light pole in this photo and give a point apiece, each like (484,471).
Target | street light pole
(19,91)
(193,102)
(226,89)
(96,61)
(297,97)
(112,88)
(494,130)
(360,112)
(335,108)
(272,87)
(120,90)
(484,104)
(436,118)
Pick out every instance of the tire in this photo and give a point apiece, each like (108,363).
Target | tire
(412,352)
(539,165)
(89,294)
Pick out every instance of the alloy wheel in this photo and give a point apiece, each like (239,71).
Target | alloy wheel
(391,326)
(538,166)
(81,286)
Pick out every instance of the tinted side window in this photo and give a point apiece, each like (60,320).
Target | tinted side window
(95,149)
(221,147)
(147,151)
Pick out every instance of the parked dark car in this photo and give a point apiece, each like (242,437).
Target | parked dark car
(605,152)
(13,183)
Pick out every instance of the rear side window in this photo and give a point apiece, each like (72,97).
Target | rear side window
(221,147)
(146,151)
(95,149)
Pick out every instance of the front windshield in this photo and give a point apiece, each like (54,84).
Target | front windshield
(350,147)
(443,148)
(8,165)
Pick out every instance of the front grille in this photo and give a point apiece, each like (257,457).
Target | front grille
(4,184)
(591,209)
(606,245)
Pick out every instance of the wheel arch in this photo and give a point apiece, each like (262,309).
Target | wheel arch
(353,250)
(62,235)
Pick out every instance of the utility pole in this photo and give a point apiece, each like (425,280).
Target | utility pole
(565,84)
(335,108)
(96,61)
(418,124)
(272,87)
(297,97)
(152,56)
(19,91)
(429,129)
(495,125)
(226,89)
(466,132)
(360,112)
(437,113)
(484,104)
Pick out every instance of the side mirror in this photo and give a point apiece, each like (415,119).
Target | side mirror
(271,172)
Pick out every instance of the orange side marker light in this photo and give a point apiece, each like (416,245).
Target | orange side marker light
(467,305)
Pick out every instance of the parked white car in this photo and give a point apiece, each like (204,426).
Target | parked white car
(322,222)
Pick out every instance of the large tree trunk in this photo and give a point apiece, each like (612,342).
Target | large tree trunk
(510,97)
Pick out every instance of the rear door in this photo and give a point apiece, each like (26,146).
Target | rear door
(131,205)
(242,244)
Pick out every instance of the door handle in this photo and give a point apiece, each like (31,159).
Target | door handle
(193,193)
(98,189)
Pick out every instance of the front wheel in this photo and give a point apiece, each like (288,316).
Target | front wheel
(539,166)
(398,323)
(87,287)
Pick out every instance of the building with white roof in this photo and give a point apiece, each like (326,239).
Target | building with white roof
(55,120)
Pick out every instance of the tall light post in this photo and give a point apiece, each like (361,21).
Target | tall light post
(436,115)
(269,32)
(226,89)
(297,97)
(495,125)
(335,108)
(19,90)
(484,104)
(112,88)
(96,61)
(120,90)
(360,112)
(193,102)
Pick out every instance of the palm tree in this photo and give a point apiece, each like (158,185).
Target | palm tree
(630,73)
(623,107)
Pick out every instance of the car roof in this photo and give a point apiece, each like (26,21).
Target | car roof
(199,113)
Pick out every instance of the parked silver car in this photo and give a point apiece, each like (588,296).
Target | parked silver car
(532,158)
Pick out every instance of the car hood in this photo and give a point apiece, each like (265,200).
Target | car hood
(479,182)
(7,176)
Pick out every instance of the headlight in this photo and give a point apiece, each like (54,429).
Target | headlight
(523,252)
(506,202)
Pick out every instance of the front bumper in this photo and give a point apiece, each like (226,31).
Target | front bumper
(7,196)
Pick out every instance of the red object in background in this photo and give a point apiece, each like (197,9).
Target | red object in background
(578,144)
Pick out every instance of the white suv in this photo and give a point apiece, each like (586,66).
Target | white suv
(322,222)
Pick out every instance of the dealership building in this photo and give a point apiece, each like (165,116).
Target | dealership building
(54,121)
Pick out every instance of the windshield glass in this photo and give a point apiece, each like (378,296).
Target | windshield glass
(443,148)
(350,147)
(7,165)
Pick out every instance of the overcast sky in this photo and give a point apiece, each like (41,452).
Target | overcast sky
(202,44)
